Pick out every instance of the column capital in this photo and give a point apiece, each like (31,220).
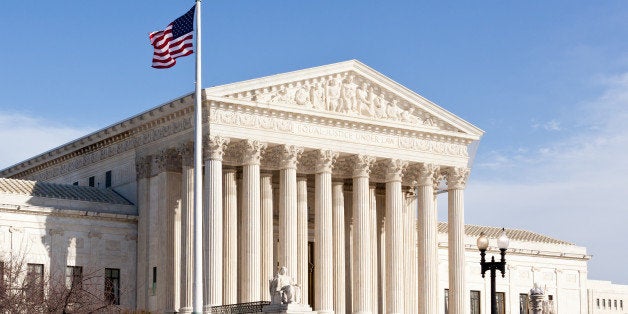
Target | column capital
(457,178)
(395,169)
(186,150)
(142,166)
(265,174)
(427,174)
(167,160)
(289,156)
(362,165)
(250,151)
(326,160)
(214,147)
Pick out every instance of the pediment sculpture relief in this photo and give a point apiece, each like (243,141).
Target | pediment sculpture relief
(348,94)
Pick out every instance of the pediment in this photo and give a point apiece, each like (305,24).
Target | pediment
(348,89)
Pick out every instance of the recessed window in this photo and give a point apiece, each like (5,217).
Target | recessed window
(92,181)
(615,303)
(446,301)
(75,183)
(501,302)
(34,284)
(603,303)
(524,300)
(112,285)
(621,304)
(475,302)
(598,303)
(108,179)
(2,284)
(154,285)
(74,278)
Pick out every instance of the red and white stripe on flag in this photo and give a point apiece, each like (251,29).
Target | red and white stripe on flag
(173,42)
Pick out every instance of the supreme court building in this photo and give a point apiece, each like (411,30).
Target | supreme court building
(320,170)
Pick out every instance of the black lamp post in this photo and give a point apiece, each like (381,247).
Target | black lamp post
(493,266)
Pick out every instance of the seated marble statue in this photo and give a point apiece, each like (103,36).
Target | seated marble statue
(283,289)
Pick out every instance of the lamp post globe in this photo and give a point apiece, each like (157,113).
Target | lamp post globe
(493,266)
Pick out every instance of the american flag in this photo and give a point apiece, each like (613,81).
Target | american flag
(173,42)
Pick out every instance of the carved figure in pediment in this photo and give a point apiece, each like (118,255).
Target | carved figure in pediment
(281,96)
(349,89)
(392,110)
(365,106)
(409,117)
(380,106)
(317,95)
(302,96)
(332,95)
(429,121)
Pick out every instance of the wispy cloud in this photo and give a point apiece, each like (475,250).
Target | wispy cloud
(574,188)
(551,125)
(23,136)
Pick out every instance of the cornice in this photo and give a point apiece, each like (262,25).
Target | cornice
(70,213)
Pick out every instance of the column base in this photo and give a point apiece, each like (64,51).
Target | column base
(287,308)
(185,310)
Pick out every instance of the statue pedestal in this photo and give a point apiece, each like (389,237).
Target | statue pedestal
(287,308)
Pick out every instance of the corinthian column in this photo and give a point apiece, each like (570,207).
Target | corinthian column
(251,226)
(323,234)
(394,237)
(428,240)
(362,291)
(187,227)
(214,148)
(288,208)
(374,263)
(338,225)
(411,287)
(230,228)
(302,235)
(456,181)
(267,233)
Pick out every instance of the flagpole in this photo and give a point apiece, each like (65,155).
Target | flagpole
(197,295)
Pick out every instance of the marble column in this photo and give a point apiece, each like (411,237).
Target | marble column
(142,171)
(169,210)
(230,236)
(214,149)
(338,225)
(187,227)
(381,250)
(394,237)
(251,225)
(428,239)
(456,181)
(362,291)
(374,261)
(323,233)
(412,273)
(288,208)
(267,233)
(302,235)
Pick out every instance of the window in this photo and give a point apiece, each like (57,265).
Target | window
(604,303)
(112,285)
(108,179)
(74,278)
(524,300)
(154,285)
(34,284)
(75,183)
(621,304)
(92,181)
(446,301)
(475,302)
(2,284)
(598,303)
(501,302)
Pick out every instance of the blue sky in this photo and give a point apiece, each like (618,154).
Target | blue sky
(547,81)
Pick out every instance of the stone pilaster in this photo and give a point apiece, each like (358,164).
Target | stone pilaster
(230,236)
(250,221)
(187,227)
(288,208)
(214,149)
(428,239)
(338,225)
(267,233)
(362,291)
(302,235)
(142,171)
(323,251)
(168,166)
(456,181)
(394,237)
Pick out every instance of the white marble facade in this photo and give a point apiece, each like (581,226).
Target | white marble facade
(329,171)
